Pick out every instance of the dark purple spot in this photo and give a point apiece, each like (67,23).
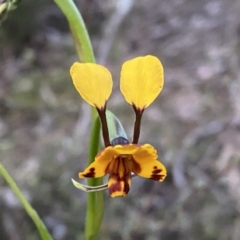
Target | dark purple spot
(90,174)
(156,171)
(126,186)
(157,177)
(115,187)
(155,174)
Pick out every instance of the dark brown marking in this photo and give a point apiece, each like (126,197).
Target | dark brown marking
(126,186)
(157,177)
(125,178)
(121,183)
(90,174)
(136,168)
(115,187)
(155,174)
(156,171)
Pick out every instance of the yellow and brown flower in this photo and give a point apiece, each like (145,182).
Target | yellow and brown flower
(120,160)
(141,82)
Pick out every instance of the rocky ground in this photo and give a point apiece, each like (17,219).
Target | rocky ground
(194,124)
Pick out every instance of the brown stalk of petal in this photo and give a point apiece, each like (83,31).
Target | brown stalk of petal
(105,133)
(137,124)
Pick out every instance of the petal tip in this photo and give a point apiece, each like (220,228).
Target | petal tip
(81,175)
(118,188)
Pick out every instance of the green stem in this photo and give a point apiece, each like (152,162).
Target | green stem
(31,212)
(78,29)
(85,53)
(95,199)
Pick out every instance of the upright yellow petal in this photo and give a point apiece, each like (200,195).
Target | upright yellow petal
(141,80)
(93,82)
(147,165)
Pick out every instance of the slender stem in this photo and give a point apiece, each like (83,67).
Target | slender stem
(84,49)
(137,124)
(31,212)
(95,200)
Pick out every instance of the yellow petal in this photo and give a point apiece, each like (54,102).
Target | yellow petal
(141,80)
(147,165)
(120,166)
(105,161)
(93,82)
(117,150)
(94,170)
(99,167)
(118,187)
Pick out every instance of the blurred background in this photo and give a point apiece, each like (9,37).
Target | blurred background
(194,123)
